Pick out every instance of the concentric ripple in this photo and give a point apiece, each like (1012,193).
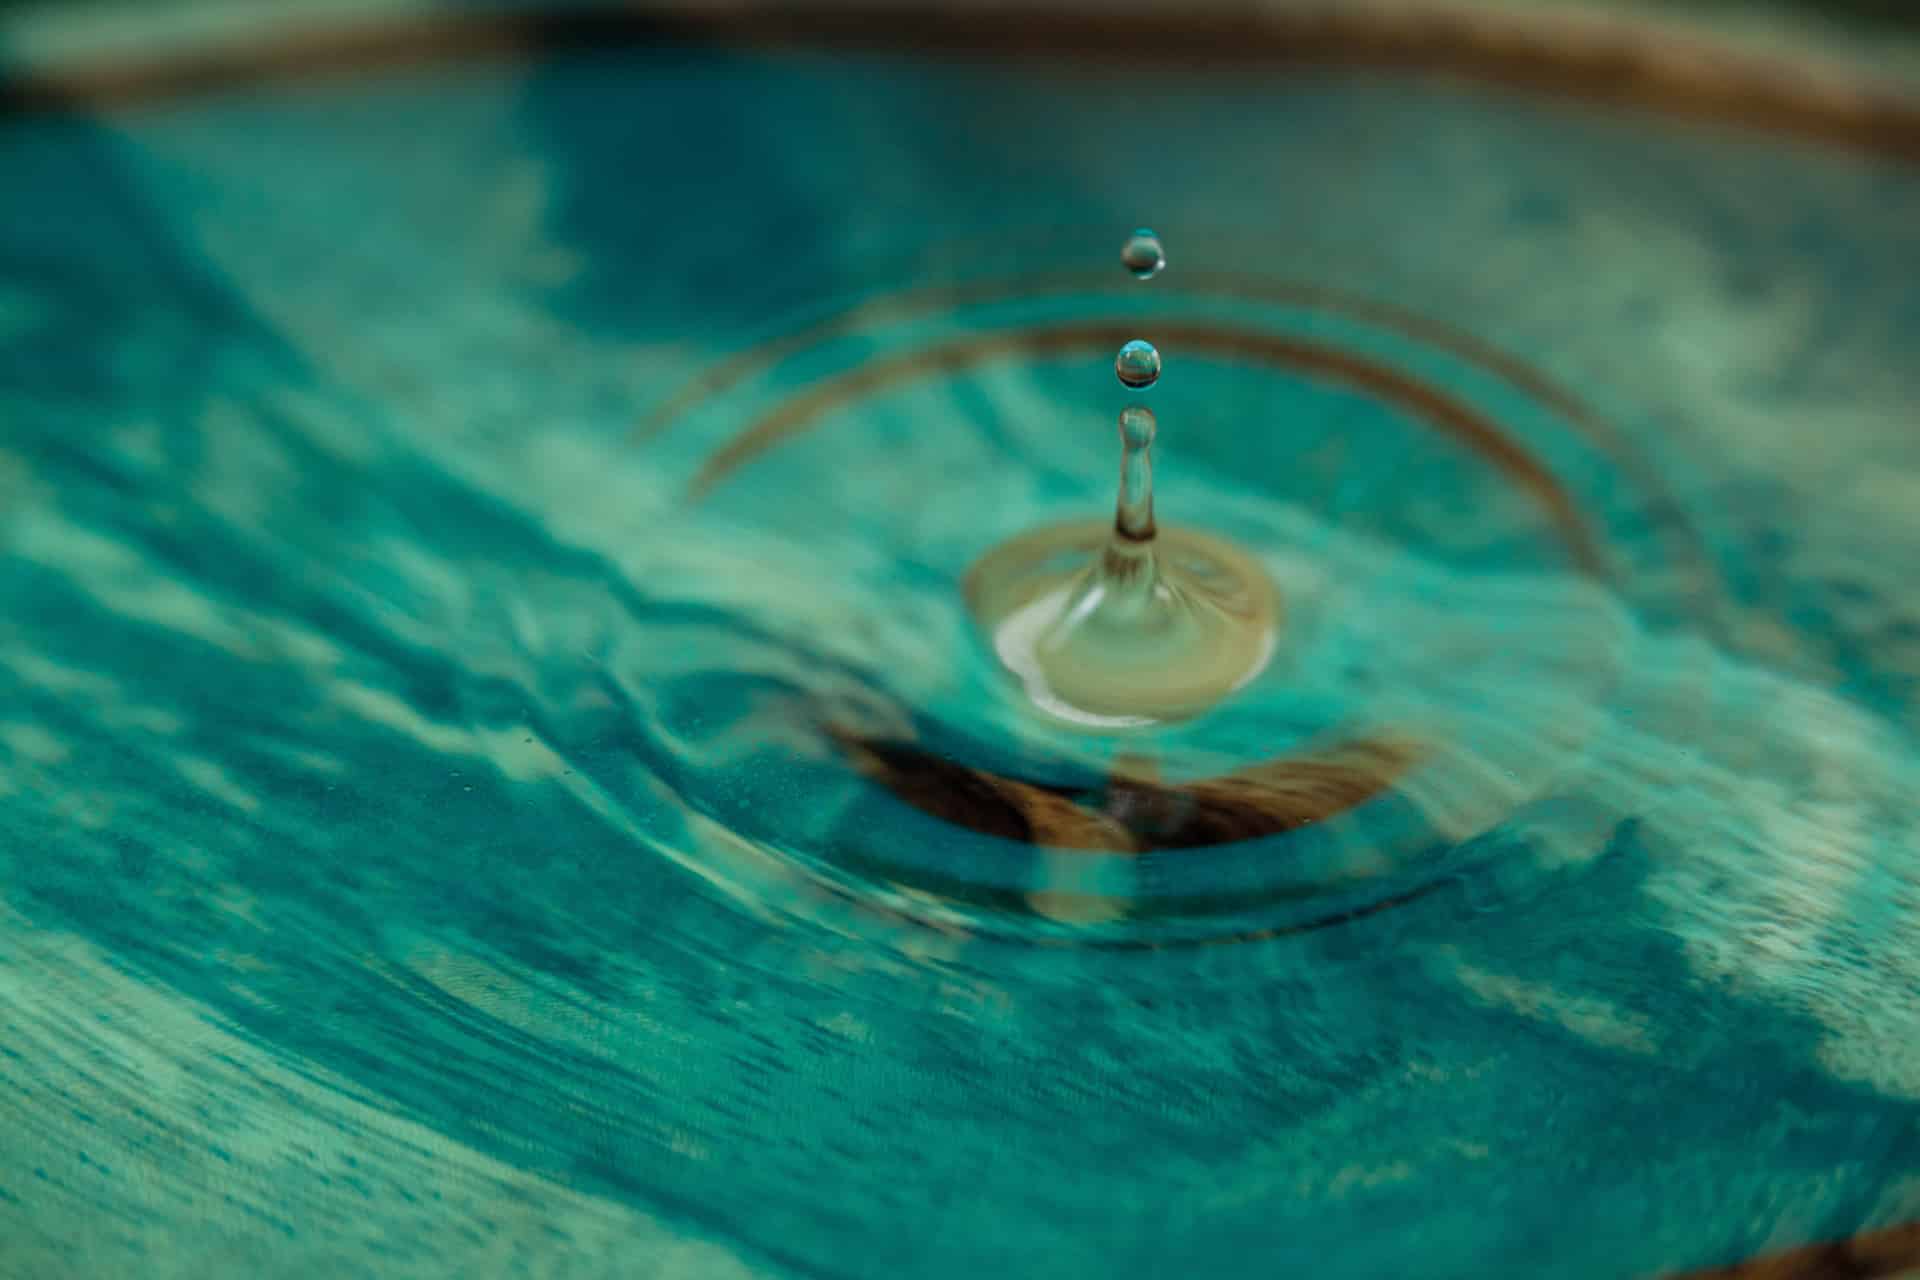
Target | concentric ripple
(1395,753)
(498,773)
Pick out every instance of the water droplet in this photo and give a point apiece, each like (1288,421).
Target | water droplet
(1137,425)
(1148,628)
(1137,365)
(1143,254)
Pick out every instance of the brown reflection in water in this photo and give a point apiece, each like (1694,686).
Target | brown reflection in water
(1871,1255)
(1135,812)
(1465,424)
(1686,550)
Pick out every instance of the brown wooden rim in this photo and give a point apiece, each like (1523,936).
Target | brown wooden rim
(1646,66)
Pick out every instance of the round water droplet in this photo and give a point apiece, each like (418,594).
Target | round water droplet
(1143,254)
(1137,425)
(1137,365)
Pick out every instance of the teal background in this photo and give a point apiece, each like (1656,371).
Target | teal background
(412,834)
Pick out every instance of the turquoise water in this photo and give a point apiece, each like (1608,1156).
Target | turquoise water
(424,850)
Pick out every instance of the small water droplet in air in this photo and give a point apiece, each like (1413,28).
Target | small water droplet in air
(1137,365)
(1137,425)
(1143,254)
